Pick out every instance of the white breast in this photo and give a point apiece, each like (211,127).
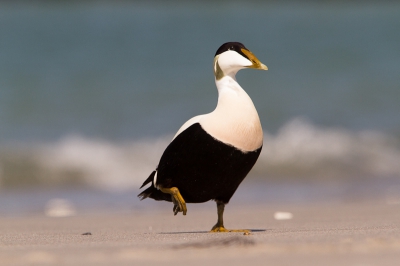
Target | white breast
(235,120)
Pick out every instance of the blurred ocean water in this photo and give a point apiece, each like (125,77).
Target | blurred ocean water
(91,94)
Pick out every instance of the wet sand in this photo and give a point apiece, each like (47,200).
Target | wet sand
(353,233)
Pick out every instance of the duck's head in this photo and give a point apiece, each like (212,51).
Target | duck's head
(233,56)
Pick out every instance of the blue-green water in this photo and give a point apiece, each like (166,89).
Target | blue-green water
(91,94)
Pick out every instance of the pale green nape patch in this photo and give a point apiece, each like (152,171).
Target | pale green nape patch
(218,73)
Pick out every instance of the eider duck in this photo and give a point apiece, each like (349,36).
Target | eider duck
(211,154)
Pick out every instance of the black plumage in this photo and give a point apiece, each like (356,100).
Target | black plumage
(202,167)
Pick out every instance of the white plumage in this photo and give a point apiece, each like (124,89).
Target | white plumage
(235,120)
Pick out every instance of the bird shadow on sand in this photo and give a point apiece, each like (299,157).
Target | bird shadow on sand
(208,232)
(229,241)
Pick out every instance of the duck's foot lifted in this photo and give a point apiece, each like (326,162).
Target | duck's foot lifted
(219,226)
(177,199)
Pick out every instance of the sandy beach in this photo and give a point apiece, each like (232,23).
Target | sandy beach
(93,92)
(325,233)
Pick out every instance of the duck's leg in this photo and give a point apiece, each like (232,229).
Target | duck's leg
(177,199)
(219,226)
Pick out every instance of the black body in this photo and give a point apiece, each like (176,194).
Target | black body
(201,167)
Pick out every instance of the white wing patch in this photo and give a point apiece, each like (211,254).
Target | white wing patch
(155,180)
(188,123)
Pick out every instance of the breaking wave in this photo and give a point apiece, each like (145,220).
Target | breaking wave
(299,150)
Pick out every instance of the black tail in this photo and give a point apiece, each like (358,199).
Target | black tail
(152,192)
(149,179)
(147,193)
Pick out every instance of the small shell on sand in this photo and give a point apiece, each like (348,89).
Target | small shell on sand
(283,215)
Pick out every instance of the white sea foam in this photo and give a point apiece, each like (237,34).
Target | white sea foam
(105,165)
(299,150)
(304,147)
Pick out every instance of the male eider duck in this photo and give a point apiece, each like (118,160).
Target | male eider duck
(211,154)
